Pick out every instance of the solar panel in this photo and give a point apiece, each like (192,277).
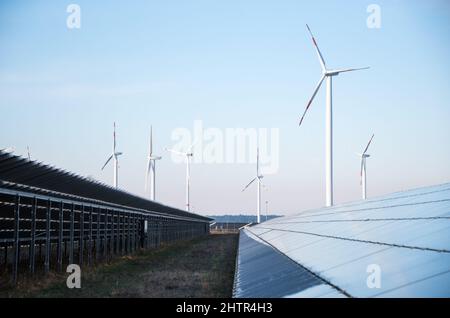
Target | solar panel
(404,236)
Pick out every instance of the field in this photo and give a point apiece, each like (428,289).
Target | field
(202,267)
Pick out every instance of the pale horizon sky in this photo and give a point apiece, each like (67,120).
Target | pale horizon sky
(230,64)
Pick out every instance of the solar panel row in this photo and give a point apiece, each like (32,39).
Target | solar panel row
(400,240)
(50,218)
(22,171)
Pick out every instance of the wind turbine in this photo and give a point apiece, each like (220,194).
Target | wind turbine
(151,167)
(258,177)
(188,154)
(28,153)
(328,75)
(115,156)
(363,156)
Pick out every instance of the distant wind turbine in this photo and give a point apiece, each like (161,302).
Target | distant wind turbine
(258,178)
(188,155)
(115,157)
(28,153)
(328,74)
(363,156)
(151,167)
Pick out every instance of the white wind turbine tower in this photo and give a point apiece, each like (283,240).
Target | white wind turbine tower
(188,155)
(258,177)
(328,75)
(151,167)
(115,156)
(363,156)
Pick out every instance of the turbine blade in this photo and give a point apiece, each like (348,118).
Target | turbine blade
(249,184)
(257,161)
(367,147)
(361,171)
(109,159)
(176,152)
(321,60)
(151,141)
(311,99)
(147,173)
(149,165)
(114,137)
(343,70)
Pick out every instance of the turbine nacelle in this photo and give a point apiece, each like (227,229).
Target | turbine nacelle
(330,73)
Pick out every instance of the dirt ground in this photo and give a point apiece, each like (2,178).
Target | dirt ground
(202,267)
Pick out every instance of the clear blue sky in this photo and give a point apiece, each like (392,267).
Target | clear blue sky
(231,63)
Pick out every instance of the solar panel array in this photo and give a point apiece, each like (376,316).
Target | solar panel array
(32,175)
(397,245)
(50,218)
